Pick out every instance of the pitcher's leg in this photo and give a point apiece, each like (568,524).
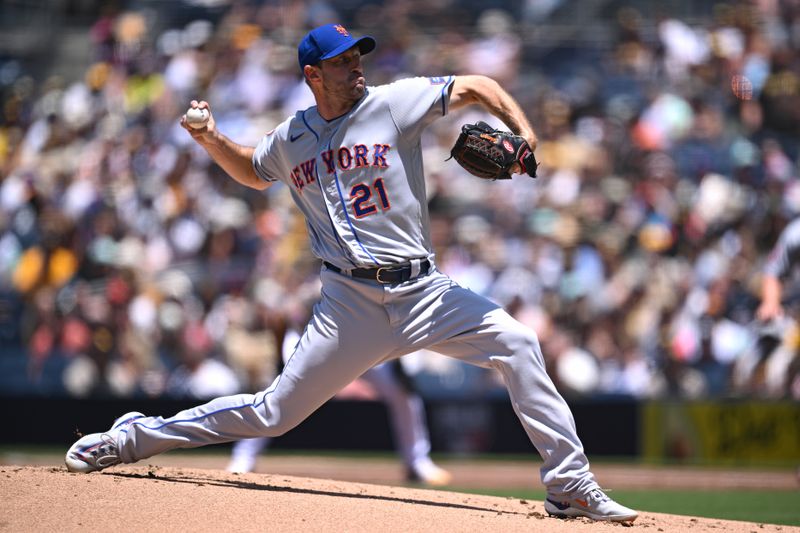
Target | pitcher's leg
(455,321)
(221,420)
(545,415)
(512,349)
(334,350)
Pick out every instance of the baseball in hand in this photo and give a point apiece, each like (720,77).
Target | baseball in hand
(197,117)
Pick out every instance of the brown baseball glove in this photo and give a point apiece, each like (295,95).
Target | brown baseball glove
(489,153)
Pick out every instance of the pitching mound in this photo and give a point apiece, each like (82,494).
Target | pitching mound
(150,498)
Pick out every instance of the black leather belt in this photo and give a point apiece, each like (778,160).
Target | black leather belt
(399,273)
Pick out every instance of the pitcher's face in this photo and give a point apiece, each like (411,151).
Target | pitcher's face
(342,75)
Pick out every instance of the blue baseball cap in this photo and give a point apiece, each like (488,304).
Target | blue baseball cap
(329,41)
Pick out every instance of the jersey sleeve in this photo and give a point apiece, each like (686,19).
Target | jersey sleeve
(416,102)
(268,157)
(780,258)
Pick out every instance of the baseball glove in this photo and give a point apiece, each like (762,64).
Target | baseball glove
(489,153)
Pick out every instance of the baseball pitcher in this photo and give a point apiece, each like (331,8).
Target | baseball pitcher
(353,163)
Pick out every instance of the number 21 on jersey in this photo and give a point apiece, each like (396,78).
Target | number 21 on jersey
(362,201)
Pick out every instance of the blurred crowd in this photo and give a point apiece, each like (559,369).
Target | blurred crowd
(131,265)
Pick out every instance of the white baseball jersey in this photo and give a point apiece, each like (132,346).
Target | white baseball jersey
(358,179)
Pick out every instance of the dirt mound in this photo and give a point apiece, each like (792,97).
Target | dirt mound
(153,498)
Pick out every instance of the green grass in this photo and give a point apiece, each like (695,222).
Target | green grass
(761,506)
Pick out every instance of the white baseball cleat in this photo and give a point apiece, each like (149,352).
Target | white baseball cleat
(97,451)
(595,505)
(427,473)
(241,465)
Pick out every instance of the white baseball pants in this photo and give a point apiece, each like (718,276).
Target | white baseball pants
(358,324)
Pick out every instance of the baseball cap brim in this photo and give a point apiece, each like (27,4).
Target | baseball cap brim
(365,45)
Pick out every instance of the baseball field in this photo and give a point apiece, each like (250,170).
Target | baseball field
(294,492)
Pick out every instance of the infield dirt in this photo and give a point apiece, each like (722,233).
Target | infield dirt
(148,497)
